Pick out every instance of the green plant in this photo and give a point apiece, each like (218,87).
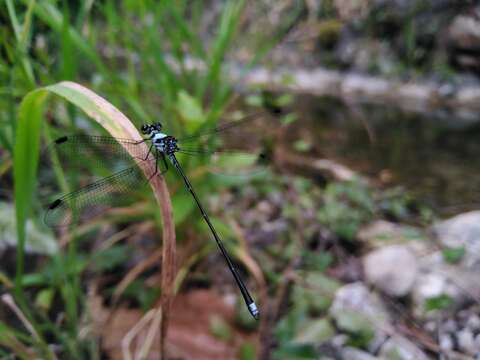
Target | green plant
(454,255)
(139,56)
(346,206)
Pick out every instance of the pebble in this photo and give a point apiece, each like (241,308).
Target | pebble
(473,322)
(466,341)
(446,342)
(450,326)
(477,343)
(393,269)
(398,347)
(350,353)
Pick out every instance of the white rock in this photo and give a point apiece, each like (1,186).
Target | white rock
(349,10)
(450,325)
(350,353)
(446,342)
(434,284)
(339,340)
(466,341)
(465,32)
(356,309)
(437,278)
(380,233)
(462,231)
(473,322)
(398,347)
(469,96)
(477,343)
(416,96)
(431,285)
(392,269)
(368,86)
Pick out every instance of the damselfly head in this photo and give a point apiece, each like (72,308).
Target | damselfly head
(145,129)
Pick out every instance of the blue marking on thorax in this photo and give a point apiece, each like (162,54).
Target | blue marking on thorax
(156,138)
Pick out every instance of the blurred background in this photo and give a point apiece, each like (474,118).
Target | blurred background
(359,240)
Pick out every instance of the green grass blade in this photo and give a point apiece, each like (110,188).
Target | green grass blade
(228,25)
(20,37)
(26,151)
(14,20)
(51,16)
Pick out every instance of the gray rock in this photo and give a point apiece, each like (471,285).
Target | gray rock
(349,10)
(339,340)
(393,269)
(350,353)
(450,326)
(381,233)
(464,32)
(315,332)
(39,241)
(431,326)
(469,95)
(473,322)
(446,342)
(398,347)
(462,231)
(431,285)
(355,84)
(466,342)
(357,310)
(477,343)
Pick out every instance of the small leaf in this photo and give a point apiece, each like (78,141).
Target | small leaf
(219,328)
(315,332)
(254,100)
(247,351)
(302,145)
(293,351)
(189,108)
(453,255)
(183,205)
(361,339)
(288,118)
(440,302)
(111,257)
(317,262)
(44,298)
(284,100)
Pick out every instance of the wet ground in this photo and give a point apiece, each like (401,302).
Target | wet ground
(436,158)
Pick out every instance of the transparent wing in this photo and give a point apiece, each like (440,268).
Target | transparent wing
(87,202)
(233,163)
(81,167)
(229,126)
(77,148)
(230,149)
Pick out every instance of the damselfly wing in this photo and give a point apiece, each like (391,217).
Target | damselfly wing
(90,174)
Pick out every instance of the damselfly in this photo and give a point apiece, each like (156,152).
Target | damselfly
(161,149)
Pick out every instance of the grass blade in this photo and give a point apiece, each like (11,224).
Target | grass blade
(25,165)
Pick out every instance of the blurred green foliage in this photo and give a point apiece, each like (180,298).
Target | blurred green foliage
(139,56)
(440,302)
(346,206)
(454,255)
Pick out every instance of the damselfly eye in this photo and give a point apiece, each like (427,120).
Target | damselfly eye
(158,126)
(144,129)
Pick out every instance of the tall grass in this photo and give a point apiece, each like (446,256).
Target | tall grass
(137,55)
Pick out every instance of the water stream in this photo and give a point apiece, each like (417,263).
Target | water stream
(436,160)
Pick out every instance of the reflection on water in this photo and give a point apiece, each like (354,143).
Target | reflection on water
(437,160)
